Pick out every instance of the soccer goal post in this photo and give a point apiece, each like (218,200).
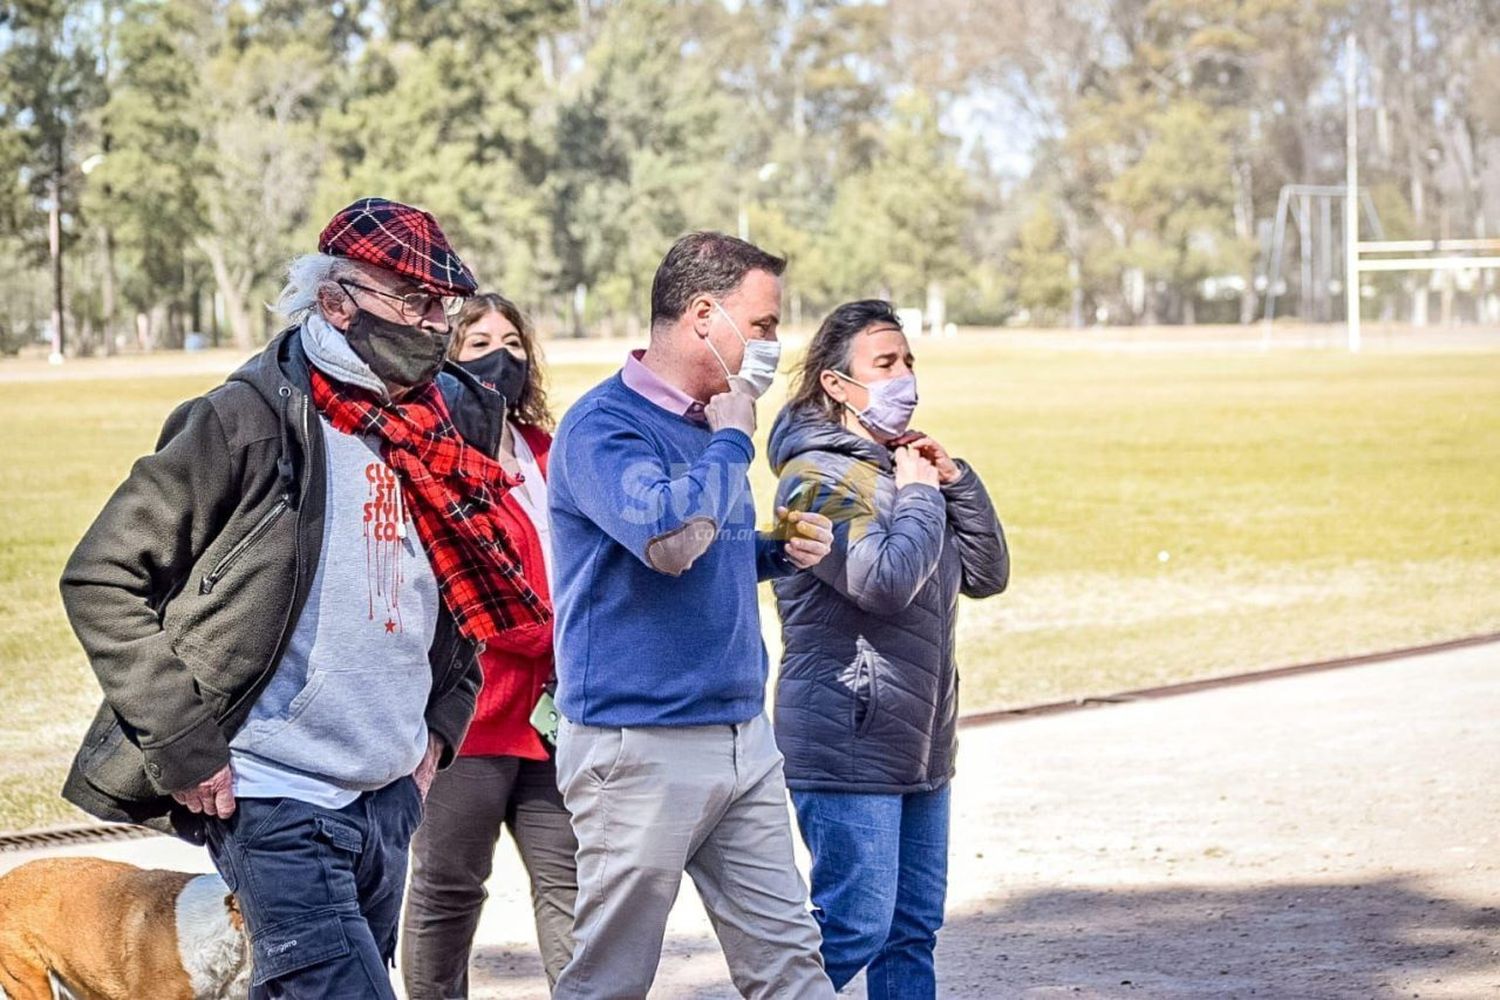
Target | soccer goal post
(1417,255)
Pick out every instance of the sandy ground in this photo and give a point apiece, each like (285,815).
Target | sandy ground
(1326,836)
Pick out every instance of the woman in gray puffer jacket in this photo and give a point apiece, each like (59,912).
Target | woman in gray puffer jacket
(867,698)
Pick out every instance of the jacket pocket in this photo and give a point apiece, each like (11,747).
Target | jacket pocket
(112,763)
(215,700)
(445,677)
(866,693)
(265,524)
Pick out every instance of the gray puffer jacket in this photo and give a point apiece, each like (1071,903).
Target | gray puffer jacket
(867,698)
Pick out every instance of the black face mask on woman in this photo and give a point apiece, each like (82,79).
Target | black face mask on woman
(501,371)
(403,356)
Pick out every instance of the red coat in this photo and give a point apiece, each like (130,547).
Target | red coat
(518,662)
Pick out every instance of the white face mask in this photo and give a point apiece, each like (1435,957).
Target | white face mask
(758,366)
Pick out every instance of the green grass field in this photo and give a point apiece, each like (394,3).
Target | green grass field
(1309,504)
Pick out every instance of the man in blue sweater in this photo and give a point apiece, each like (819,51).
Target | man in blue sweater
(665,756)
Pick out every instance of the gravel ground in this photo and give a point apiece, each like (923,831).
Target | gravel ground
(1327,836)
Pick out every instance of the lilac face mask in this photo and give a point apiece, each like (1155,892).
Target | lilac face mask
(892,402)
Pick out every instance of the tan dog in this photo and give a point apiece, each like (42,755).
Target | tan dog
(101,930)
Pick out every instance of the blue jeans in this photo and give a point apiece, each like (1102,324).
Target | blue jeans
(320,890)
(879,882)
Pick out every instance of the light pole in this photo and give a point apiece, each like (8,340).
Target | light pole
(54,249)
(1351,197)
(107,247)
(765,173)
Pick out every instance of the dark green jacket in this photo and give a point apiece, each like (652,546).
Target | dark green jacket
(187,586)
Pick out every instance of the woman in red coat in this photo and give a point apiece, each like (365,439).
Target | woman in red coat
(504,776)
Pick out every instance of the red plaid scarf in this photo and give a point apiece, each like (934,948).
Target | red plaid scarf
(453,491)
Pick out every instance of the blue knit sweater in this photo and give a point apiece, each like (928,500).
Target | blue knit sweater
(637,645)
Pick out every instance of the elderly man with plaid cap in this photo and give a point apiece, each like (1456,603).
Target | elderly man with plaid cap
(283,601)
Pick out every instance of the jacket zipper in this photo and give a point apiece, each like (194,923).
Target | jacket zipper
(286,625)
(866,670)
(256,533)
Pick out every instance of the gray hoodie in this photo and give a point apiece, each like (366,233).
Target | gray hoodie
(867,696)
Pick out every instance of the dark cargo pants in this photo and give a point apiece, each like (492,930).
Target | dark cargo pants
(320,890)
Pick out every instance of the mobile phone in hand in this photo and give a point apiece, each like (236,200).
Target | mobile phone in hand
(800,499)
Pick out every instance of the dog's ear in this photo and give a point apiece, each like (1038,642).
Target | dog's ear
(236,918)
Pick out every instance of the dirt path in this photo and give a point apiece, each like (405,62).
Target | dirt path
(1326,836)
(1335,835)
(1379,338)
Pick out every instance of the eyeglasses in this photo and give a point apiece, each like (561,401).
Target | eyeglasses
(414,305)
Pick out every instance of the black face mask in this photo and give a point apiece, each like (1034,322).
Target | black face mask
(402,356)
(501,371)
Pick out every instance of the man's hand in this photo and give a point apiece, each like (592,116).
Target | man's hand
(427,770)
(735,408)
(810,537)
(214,797)
(948,470)
(914,467)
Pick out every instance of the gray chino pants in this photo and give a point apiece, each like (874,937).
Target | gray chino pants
(651,803)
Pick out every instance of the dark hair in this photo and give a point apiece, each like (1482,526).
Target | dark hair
(830,351)
(704,263)
(531,408)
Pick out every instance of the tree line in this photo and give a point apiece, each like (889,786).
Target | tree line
(1033,161)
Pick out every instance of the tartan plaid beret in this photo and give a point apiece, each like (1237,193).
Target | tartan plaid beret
(398,238)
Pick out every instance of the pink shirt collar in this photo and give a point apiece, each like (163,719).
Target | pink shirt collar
(654,388)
